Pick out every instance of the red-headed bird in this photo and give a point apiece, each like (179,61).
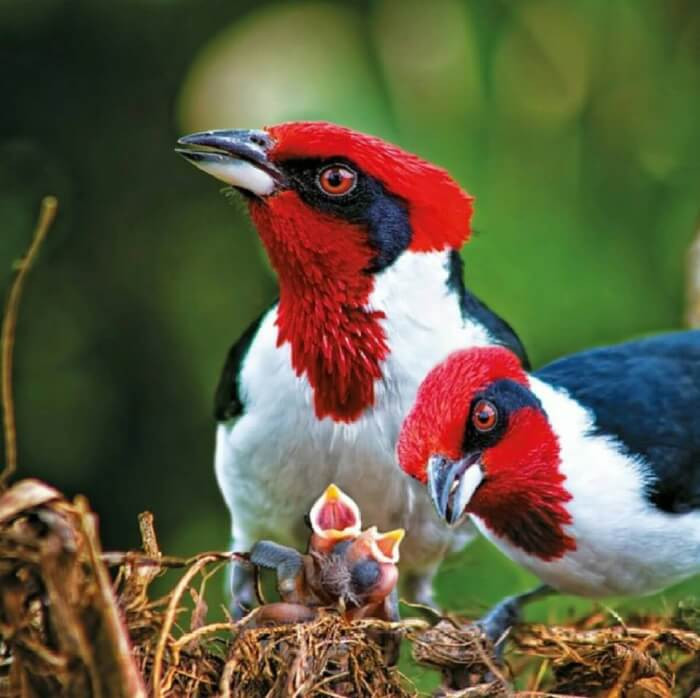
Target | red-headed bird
(365,239)
(586,472)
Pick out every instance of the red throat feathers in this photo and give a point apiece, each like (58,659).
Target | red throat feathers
(524,498)
(336,339)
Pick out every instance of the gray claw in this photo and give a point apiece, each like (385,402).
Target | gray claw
(287,563)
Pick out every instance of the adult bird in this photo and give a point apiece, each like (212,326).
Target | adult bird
(365,239)
(586,472)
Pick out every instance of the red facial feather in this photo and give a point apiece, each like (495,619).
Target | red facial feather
(335,340)
(436,423)
(440,211)
(523,495)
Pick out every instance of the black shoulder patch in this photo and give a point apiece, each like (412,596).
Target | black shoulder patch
(227,400)
(471,306)
(646,394)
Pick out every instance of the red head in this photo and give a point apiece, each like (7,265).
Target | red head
(333,208)
(481,441)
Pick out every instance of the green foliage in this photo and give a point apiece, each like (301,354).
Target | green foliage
(574,125)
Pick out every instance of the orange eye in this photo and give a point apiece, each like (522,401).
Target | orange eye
(337,180)
(484,416)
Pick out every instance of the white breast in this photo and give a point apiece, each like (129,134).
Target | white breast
(625,545)
(277,458)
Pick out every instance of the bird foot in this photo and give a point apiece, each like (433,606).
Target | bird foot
(496,623)
(500,618)
(243,594)
(504,615)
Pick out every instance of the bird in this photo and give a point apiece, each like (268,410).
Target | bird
(346,567)
(586,471)
(364,238)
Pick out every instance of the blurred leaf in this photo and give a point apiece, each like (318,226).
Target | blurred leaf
(288,61)
(429,53)
(541,68)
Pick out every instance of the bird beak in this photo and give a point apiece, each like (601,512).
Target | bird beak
(385,546)
(452,484)
(238,157)
(335,515)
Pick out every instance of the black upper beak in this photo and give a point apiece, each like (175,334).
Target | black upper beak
(443,482)
(211,149)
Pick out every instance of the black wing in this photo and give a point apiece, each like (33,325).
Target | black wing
(646,393)
(227,400)
(471,306)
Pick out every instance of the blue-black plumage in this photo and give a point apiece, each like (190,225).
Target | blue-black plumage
(646,394)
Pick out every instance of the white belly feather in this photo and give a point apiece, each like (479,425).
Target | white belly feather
(278,457)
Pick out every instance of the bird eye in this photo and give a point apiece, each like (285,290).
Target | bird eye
(336,180)
(484,415)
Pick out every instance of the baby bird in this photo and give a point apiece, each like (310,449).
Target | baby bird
(344,566)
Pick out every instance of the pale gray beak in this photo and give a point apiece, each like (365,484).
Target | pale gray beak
(238,157)
(452,484)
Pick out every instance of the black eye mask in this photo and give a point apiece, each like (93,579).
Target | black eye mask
(508,396)
(383,215)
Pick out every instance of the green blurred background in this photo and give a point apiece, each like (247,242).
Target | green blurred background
(575,124)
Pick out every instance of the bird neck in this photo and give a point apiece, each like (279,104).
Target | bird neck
(337,341)
(524,498)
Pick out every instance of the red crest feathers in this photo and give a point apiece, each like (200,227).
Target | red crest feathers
(440,211)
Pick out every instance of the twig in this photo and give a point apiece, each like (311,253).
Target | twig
(226,675)
(617,690)
(184,640)
(540,675)
(170,619)
(693,282)
(47,214)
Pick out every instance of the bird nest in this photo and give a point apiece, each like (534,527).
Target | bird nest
(75,621)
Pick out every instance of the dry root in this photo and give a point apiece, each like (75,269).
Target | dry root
(62,633)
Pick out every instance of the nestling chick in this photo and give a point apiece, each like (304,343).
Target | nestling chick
(355,571)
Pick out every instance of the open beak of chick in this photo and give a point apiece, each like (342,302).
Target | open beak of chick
(385,546)
(334,517)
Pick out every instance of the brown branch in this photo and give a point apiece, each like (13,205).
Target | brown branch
(693,282)
(47,215)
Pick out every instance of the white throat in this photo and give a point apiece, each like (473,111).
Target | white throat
(423,319)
